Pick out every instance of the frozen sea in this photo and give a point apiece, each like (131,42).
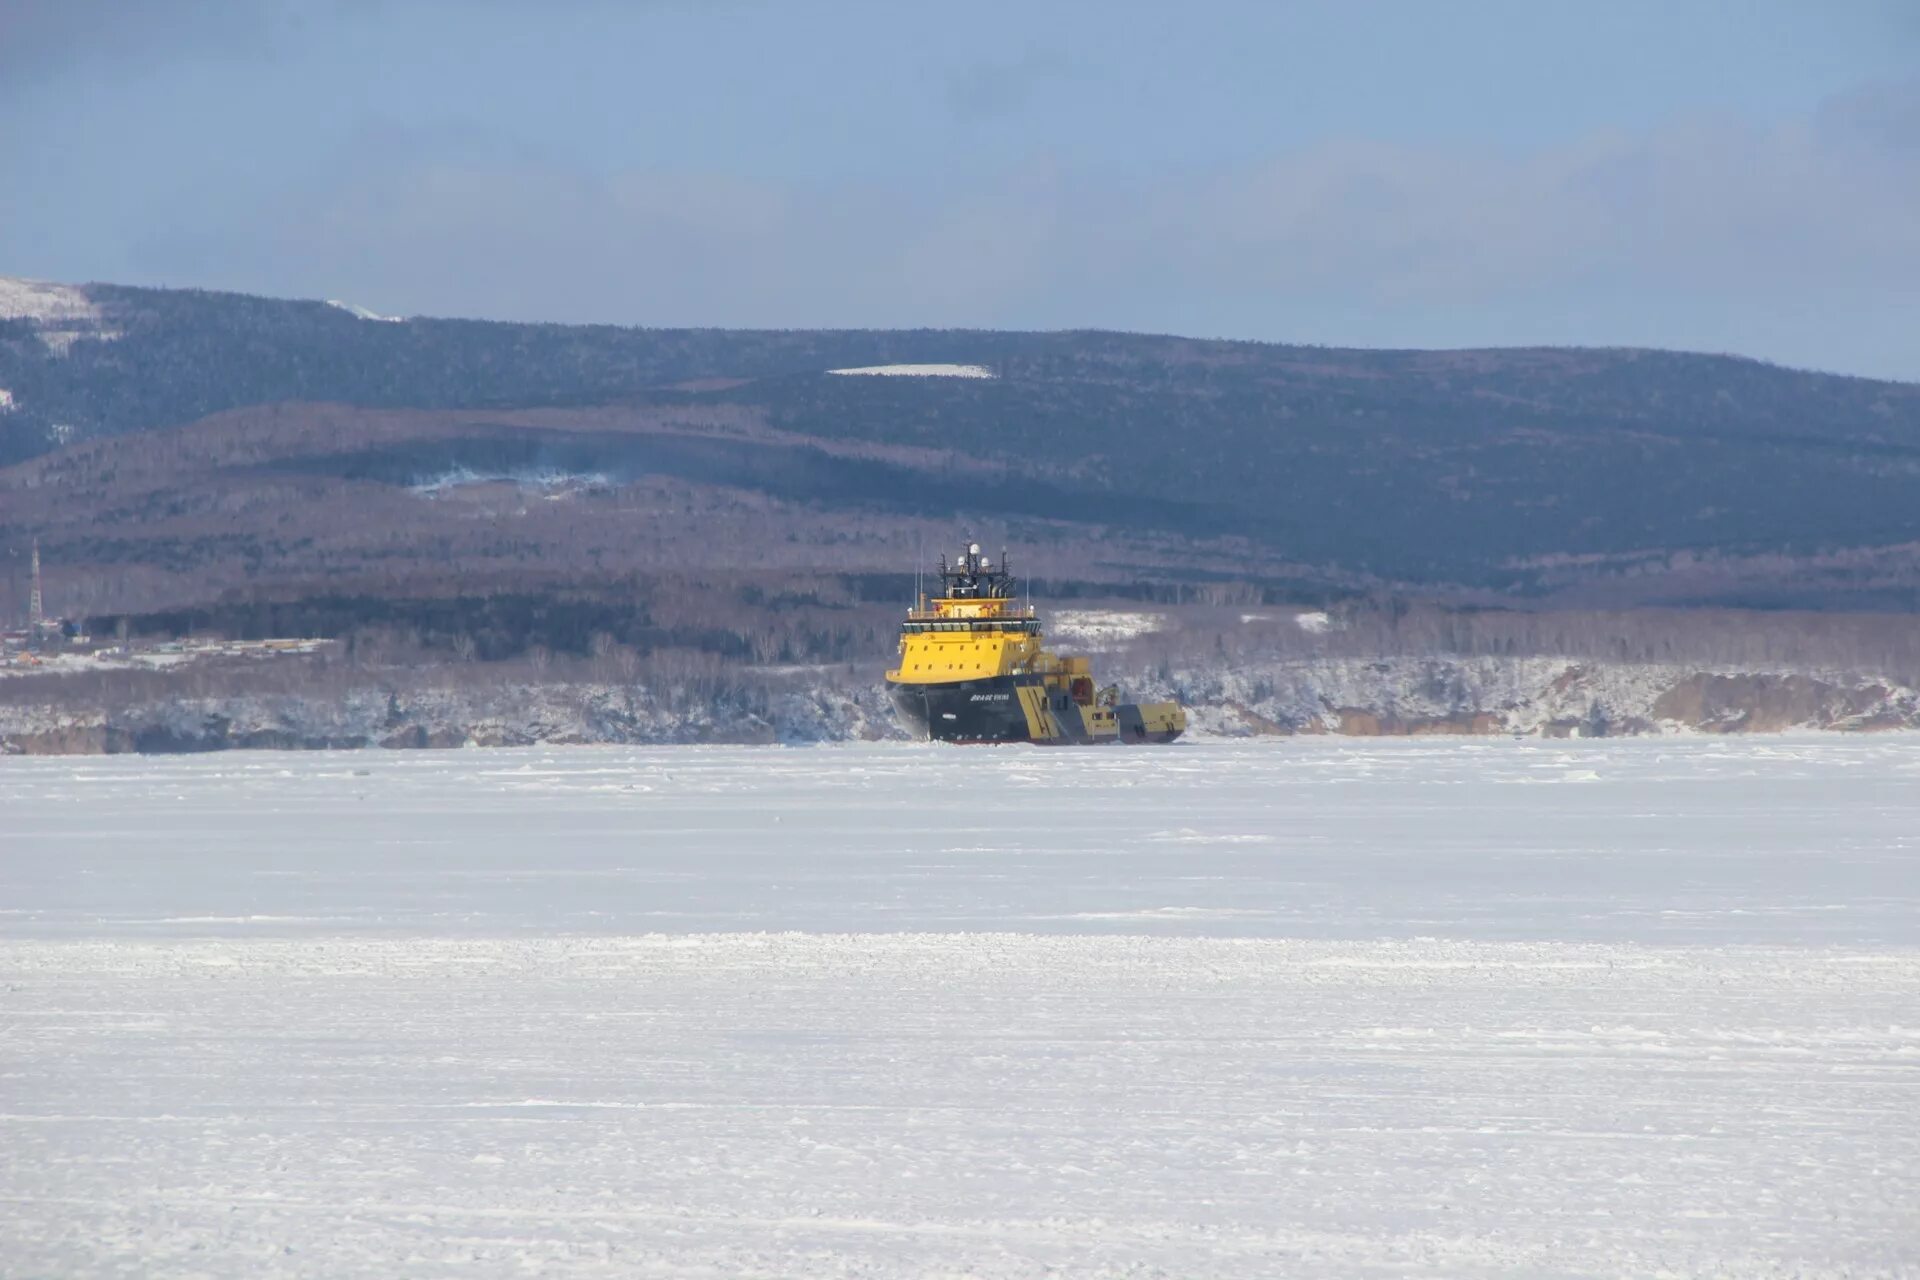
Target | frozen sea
(1304,1007)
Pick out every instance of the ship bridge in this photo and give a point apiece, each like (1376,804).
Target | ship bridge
(972,629)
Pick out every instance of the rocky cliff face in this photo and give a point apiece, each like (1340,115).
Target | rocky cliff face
(1544,697)
(1532,696)
(557,713)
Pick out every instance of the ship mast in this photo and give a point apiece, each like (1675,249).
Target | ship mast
(973,576)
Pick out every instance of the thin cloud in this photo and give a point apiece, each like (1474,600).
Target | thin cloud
(1791,224)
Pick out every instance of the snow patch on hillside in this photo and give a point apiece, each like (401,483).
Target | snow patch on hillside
(1103,628)
(6,401)
(61,314)
(362,313)
(548,483)
(919,371)
(1312,621)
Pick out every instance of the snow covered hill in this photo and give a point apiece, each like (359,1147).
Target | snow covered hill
(60,314)
(1590,478)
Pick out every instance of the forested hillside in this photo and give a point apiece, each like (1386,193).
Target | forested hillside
(179,450)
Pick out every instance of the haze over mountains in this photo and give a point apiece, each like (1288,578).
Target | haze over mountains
(175,447)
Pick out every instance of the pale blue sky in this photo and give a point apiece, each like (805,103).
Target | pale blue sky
(1718,176)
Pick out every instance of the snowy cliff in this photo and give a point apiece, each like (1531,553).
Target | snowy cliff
(448,717)
(1530,696)
(1546,697)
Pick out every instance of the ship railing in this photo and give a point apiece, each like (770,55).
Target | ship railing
(1023,626)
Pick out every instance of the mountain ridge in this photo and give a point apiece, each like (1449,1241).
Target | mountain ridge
(1517,476)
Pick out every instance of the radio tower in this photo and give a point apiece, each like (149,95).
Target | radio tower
(36,615)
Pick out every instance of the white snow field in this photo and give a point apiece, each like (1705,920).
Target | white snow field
(1288,1008)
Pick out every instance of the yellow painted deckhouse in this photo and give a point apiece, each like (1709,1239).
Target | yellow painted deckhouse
(974,668)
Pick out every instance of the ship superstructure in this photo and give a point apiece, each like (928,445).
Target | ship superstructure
(974,668)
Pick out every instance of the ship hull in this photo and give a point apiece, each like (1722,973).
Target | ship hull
(1004,709)
(986,710)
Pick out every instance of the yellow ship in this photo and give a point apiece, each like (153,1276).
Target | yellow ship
(973,668)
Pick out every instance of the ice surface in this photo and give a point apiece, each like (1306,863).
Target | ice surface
(1657,840)
(1286,1008)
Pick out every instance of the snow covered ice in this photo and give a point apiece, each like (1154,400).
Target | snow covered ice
(1309,1007)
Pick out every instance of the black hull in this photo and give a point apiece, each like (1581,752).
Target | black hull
(990,711)
(966,711)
